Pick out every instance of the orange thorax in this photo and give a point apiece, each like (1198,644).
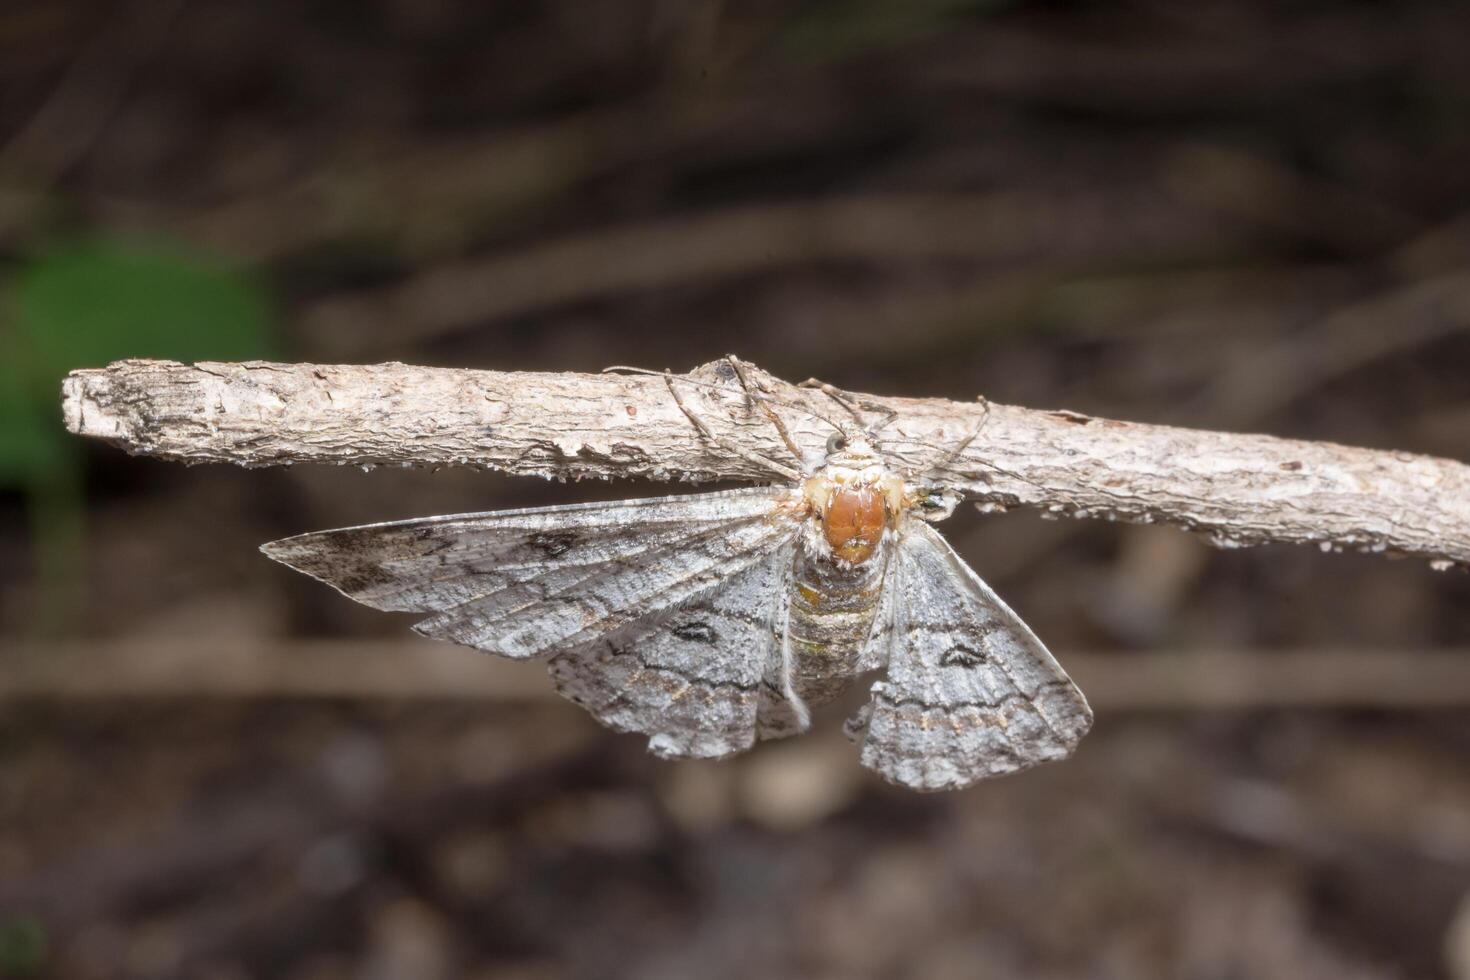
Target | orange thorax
(853,522)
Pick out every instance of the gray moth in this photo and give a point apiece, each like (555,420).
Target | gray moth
(708,621)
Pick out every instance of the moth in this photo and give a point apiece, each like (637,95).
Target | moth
(709,621)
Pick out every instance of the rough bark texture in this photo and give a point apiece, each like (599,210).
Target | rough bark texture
(1237,489)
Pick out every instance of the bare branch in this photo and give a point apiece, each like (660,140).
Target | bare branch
(1237,489)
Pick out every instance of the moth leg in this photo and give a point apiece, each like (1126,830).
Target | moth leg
(799,710)
(854,406)
(953,454)
(756,396)
(725,444)
(781,712)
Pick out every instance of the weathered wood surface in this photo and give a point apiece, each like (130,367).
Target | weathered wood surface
(1236,489)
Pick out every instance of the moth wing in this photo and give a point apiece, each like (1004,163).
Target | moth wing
(970,692)
(525,583)
(430,564)
(690,678)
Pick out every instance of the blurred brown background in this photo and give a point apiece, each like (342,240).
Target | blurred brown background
(1235,216)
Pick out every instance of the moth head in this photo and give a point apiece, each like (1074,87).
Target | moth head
(844,449)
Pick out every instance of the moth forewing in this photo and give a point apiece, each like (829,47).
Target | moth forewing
(431,564)
(562,606)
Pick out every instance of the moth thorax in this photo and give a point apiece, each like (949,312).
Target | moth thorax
(853,521)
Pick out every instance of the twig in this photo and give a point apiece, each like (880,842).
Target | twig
(1237,489)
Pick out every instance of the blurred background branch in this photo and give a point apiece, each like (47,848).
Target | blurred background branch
(420,670)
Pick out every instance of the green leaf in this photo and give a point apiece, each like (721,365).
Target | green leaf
(90,302)
(22,947)
(94,302)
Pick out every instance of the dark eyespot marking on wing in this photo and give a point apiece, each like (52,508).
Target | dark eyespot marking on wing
(553,544)
(696,631)
(962,656)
